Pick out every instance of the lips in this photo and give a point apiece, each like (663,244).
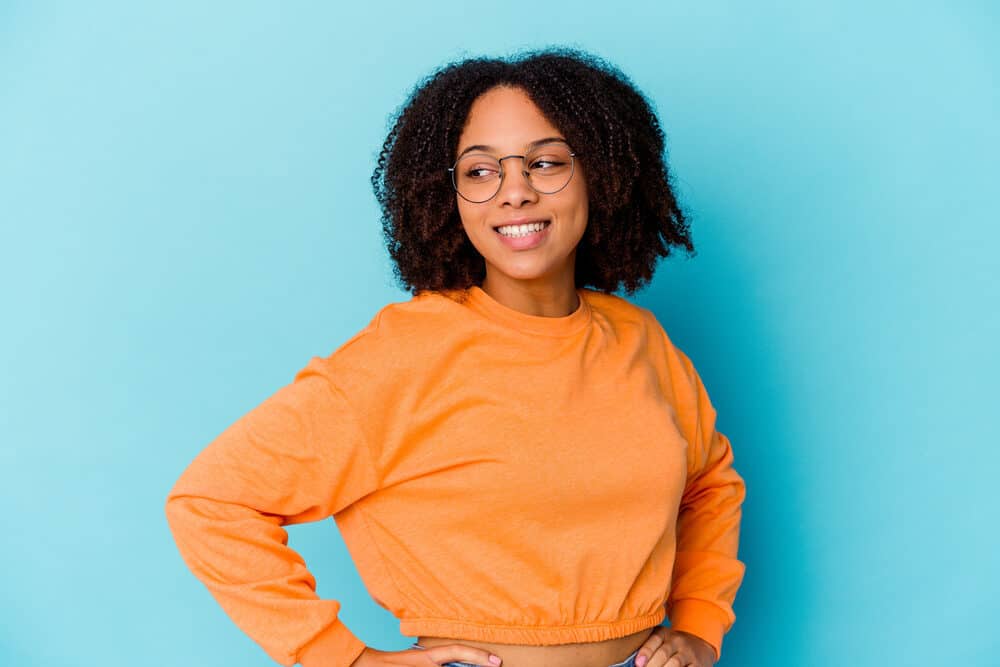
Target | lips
(525,241)
(520,221)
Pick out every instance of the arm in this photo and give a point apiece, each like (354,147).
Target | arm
(707,572)
(299,456)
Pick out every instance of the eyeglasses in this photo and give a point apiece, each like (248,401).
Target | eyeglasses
(548,168)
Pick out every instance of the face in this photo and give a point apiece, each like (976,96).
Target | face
(504,121)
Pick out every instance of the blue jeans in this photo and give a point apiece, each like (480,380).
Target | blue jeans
(627,662)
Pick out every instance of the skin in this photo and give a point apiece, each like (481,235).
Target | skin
(537,281)
(667,647)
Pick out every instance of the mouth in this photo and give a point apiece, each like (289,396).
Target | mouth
(523,234)
(521,228)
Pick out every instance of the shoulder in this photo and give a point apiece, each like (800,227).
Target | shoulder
(386,365)
(421,321)
(661,349)
(399,334)
(620,313)
(422,316)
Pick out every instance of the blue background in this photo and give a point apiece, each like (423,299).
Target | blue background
(187,219)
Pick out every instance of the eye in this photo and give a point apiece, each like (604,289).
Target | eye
(480,172)
(477,167)
(547,162)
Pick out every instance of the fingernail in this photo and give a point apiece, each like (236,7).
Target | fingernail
(640,661)
(495,659)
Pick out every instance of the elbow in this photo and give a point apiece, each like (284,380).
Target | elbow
(176,509)
(172,510)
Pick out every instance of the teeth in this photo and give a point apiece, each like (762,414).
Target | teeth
(521,230)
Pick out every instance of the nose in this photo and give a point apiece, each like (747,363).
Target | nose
(514,188)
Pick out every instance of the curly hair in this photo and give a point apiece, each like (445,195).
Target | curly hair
(634,216)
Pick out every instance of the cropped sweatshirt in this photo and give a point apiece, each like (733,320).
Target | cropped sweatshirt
(496,476)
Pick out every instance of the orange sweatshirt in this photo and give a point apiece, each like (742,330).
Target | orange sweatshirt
(496,476)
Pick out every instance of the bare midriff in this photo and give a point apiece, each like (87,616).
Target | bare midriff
(590,654)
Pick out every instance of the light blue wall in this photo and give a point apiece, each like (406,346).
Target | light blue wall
(186,218)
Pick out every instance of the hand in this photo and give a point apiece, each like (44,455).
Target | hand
(426,657)
(667,647)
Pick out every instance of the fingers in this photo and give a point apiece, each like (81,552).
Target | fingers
(665,657)
(675,660)
(664,648)
(462,653)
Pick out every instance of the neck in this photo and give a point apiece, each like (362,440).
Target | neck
(542,299)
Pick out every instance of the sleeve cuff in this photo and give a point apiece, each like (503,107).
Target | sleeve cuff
(336,646)
(700,618)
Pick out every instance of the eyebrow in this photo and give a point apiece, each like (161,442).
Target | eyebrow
(533,144)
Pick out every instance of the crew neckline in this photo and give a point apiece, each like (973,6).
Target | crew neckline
(566,325)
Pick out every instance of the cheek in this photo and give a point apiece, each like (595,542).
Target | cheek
(576,204)
(465,214)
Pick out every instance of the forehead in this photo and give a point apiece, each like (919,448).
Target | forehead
(505,118)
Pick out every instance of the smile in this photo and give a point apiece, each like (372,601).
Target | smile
(524,236)
(518,231)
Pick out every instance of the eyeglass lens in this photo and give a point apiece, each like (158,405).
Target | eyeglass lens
(548,169)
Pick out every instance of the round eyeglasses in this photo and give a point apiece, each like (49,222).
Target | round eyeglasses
(547,167)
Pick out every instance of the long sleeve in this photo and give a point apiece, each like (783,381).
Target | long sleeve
(707,573)
(299,456)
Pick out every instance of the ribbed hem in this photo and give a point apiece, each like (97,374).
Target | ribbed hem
(532,635)
(336,646)
(702,619)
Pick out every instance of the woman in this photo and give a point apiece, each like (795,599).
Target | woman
(525,469)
